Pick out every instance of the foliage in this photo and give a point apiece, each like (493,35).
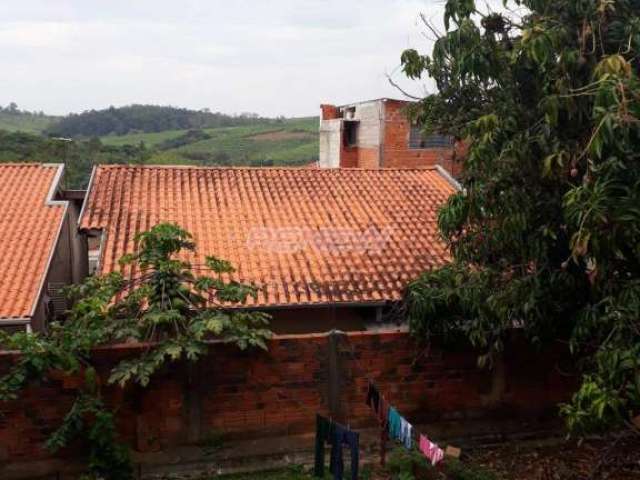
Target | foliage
(14,119)
(546,233)
(226,146)
(191,136)
(403,464)
(145,118)
(79,157)
(458,470)
(161,303)
(108,458)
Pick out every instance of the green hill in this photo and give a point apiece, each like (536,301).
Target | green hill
(146,119)
(279,142)
(154,135)
(283,142)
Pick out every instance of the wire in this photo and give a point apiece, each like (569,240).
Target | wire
(351,351)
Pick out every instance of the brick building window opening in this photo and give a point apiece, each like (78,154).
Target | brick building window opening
(418,139)
(350,133)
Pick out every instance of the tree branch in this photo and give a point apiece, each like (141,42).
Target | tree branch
(399,88)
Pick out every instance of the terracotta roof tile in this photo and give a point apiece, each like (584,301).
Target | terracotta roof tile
(29,229)
(304,236)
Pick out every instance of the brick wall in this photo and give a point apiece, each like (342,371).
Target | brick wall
(329,112)
(349,157)
(383,140)
(368,157)
(359,157)
(397,153)
(262,394)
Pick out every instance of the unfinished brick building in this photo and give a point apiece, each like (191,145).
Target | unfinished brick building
(378,134)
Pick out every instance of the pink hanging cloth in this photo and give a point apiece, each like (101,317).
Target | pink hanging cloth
(430,450)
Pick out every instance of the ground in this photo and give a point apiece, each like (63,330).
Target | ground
(609,459)
(596,459)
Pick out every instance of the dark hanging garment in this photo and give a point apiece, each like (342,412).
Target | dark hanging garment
(383,412)
(324,432)
(342,436)
(373,397)
(383,415)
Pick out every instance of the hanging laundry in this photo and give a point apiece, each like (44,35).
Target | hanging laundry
(395,424)
(406,432)
(343,436)
(373,397)
(430,450)
(335,435)
(383,416)
(324,433)
(383,412)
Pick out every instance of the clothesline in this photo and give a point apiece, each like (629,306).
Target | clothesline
(365,373)
(423,442)
(336,435)
(402,429)
(399,428)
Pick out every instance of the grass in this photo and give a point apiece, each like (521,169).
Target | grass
(294,472)
(25,122)
(149,139)
(291,142)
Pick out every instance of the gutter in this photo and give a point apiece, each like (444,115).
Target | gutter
(449,178)
(16,322)
(10,321)
(293,306)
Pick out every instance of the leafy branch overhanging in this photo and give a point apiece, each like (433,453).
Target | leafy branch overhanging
(162,305)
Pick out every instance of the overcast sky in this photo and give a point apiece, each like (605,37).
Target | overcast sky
(274,57)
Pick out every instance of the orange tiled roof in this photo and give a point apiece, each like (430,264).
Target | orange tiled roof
(29,227)
(304,236)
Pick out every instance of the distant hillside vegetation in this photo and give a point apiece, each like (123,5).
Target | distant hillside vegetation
(286,142)
(13,119)
(281,142)
(148,134)
(79,157)
(145,119)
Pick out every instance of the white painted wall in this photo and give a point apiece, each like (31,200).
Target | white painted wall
(330,143)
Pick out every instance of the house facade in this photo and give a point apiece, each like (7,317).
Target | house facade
(327,248)
(42,250)
(379,134)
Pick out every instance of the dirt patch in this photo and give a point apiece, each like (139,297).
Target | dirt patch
(609,459)
(281,135)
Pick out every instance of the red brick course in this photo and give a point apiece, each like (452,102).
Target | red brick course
(397,153)
(329,112)
(393,150)
(262,394)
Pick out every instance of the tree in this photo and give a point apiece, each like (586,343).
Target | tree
(79,156)
(163,304)
(545,235)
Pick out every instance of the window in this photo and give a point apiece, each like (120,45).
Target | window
(57,304)
(417,139)
(350,133)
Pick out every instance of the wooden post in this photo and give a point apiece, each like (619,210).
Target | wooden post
(334,380)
